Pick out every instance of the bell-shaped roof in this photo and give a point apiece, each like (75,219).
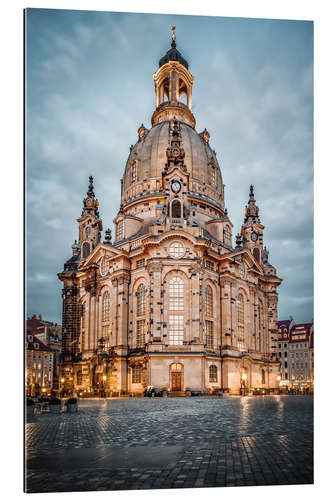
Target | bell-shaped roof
(173,55)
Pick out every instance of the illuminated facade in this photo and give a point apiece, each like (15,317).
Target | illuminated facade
(170,303)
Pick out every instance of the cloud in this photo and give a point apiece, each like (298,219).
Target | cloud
(89,87)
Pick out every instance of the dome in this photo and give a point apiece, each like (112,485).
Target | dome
(173,55)
(149,154)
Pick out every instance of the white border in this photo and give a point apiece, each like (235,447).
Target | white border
(12,193)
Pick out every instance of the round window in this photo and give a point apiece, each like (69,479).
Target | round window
(176,250)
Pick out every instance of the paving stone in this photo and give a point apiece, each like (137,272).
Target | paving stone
(172,443)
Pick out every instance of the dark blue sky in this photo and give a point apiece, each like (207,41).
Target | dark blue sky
(89,87)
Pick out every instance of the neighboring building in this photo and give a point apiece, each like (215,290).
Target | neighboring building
(295,350)
(38,366)
(170,303)
(50,334)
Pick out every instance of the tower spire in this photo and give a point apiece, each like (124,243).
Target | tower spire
(251,210)
(90,191)
(173,37)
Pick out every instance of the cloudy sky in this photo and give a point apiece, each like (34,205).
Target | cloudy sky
(89,87)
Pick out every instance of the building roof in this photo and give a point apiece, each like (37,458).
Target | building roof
(173,55)
(32,344)
(300,333)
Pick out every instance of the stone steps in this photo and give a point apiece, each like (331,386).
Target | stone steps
(176,394)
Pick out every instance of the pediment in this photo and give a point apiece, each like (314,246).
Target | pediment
(103,250)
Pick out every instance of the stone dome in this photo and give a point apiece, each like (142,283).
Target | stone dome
(149,153)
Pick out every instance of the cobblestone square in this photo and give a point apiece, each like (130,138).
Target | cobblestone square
(149,443)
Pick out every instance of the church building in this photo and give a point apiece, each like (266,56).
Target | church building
(170,302)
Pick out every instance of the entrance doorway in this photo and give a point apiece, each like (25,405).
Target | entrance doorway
(176,372)
(176,381)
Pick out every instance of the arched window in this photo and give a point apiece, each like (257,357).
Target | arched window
(176,308)
(227,235)
(213,373)
(85,249)
(182,92)
(120,230)
(209,300)
(176,294)
(136,374)
(213,175)
(106,306)
(176,209)
(240,322)
(141,301)
(140,312)
(256,254)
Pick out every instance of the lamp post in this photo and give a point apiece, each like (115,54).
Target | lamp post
(62,380)
(243,383)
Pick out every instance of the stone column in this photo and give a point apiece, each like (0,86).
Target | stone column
(226,306)
(157,301)
(195,329)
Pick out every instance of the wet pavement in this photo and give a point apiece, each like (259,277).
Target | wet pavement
(146,443)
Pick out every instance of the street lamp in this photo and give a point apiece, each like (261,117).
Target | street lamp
(104,379)
(278,378)
(244,378)
(62,380)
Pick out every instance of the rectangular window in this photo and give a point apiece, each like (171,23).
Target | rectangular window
(140,332)
(209,334)
(285,364)
(136,374)
(140,263)
(285,354)
(176,329)
(209,265)
(120,230)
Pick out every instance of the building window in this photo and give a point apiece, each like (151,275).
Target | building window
(286,364)
(176,294)
(176,329)
(140,263)
(209,300)
(262,376)
(134,171)
(85,249)
(141,301)
(213,175)
(176,304)
(120,230)
(209,334)
(136,374)
(176,250)
(176,209)
(209,265)
(140,332)
(213,373)
(240,321)
(227,235)
(285,354)
(106,306)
